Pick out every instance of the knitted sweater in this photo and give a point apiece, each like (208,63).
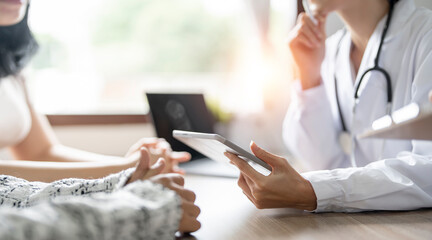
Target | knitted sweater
(87,209)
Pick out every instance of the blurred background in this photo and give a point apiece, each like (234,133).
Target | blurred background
(100,56)
(111,51)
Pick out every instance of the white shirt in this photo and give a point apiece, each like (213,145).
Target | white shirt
(15,119)
(393,176)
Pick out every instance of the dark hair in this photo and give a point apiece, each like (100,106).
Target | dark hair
(17,47)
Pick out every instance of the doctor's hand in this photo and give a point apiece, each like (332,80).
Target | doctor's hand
(160,148)
(307,45)
(283,188)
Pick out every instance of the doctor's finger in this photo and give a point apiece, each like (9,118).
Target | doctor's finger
(310,35)
(244,167)
(253,187)
(315,29)
(273,160)
(301,40)
(250,198)
(246,189)
(243,184)
(249,182)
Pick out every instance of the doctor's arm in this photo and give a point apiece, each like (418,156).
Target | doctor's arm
(283,188)
(399,183)
(402,183)
(309,128)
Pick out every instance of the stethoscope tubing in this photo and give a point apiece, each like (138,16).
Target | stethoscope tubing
(376,67)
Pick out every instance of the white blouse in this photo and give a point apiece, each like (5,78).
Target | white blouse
(15,118)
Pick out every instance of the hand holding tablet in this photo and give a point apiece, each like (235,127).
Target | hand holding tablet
(214,146)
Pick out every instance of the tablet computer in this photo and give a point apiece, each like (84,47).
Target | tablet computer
(213,146)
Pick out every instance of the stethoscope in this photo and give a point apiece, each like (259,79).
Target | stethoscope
(346,140)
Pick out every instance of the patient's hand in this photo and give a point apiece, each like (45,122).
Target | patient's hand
(159,148)
(144,169)
(175,182)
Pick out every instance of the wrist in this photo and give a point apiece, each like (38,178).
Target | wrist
(308,82)
(132,160)
(309,197)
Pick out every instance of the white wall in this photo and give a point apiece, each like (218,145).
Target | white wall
(105,139)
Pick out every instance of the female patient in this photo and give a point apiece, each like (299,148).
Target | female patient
(118,206)
(28,135)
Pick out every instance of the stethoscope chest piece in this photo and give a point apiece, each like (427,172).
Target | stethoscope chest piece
(345,142)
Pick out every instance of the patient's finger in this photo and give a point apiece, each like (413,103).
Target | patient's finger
(142,167)
(179,170)
(177,179)
(191,209)
(180,156)
(189,224)
(143,142)
(186,194)
(155,169)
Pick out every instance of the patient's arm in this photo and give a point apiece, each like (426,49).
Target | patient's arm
(141,210)
(41,144)
(51,171)
(45,159)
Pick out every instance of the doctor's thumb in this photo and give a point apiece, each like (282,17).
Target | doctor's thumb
(271,159)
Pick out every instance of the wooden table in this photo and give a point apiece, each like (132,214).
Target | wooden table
(226,214)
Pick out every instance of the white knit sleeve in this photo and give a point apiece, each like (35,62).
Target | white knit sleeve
(141,210)
(17,192)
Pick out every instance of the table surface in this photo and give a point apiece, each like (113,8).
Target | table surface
(227,214)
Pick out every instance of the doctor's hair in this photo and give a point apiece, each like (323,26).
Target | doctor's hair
(17,47)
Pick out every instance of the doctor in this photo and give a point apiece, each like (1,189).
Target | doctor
(336,97)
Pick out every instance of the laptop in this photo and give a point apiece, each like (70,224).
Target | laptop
(188,112)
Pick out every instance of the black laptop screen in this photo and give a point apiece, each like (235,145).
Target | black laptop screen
(182,112)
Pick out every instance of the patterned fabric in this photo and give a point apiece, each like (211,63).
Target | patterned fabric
(87,209)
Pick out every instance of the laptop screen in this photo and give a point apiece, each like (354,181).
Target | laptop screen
(187,112)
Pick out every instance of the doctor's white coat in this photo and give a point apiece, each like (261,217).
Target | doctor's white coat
(391,174)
